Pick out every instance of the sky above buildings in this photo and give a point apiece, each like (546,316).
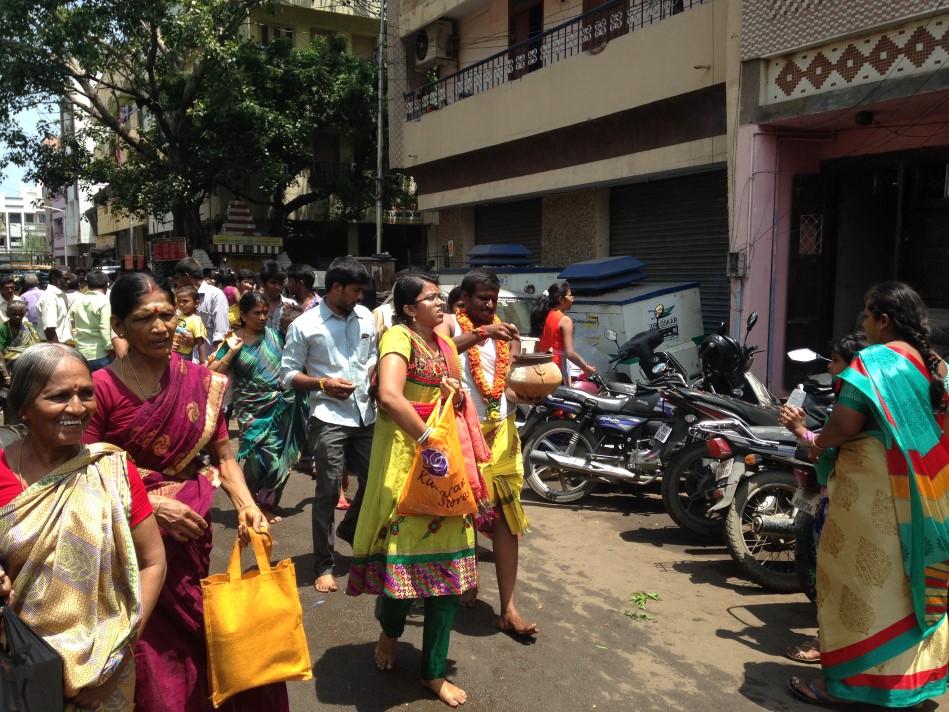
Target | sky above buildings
(13,175)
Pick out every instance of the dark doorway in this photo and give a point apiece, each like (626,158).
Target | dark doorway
(525,22)
(844,226)
(811,265)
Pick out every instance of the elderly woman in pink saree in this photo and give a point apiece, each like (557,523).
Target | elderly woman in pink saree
(165,411)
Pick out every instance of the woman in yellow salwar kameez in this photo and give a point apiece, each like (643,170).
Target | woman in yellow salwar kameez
(402,558)
(883,558)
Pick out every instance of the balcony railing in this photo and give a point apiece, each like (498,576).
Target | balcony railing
(586,32)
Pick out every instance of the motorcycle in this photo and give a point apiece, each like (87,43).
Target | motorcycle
(690,479)
(726,366)
(755,491)
(575,439)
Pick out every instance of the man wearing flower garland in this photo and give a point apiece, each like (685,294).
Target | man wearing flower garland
(486,346)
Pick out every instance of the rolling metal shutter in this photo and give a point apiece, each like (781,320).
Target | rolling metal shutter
(517,223)
(679,228)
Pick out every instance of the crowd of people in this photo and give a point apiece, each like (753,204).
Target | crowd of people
(122,391)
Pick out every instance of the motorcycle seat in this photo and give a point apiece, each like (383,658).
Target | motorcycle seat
(751,414)
(642,404)
(606,403)
(625,389)
(777,434)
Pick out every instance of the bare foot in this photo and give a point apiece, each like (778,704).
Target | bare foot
(272,516)
(513,623)
(325,584)
(385,652)
(450,694)
(469,597)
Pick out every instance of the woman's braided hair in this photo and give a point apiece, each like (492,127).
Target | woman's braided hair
(910,320)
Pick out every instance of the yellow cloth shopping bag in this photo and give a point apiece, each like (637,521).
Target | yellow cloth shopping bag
(254,624)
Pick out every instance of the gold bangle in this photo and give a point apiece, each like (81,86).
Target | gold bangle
(322,383)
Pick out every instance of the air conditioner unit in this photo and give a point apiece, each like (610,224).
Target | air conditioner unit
(434,45)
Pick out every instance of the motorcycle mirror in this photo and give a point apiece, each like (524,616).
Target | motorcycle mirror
(610,335)
(752,320)
(806,356)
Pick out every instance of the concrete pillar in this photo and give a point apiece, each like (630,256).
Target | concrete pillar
(456,233)
(575,226)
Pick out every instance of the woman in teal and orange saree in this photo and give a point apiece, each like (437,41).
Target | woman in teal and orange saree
(883,558)
(272,420)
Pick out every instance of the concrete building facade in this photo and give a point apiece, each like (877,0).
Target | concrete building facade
(580,129)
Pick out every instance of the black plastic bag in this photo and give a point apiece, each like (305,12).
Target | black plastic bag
(31,672)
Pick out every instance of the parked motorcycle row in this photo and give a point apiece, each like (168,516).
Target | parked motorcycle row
(726,467)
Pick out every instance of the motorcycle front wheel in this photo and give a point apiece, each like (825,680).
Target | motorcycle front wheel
(688,485)
(766,559)
(552,484)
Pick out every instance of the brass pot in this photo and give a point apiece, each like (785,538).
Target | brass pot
(534,375)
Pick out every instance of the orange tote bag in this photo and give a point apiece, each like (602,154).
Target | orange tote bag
(438,484)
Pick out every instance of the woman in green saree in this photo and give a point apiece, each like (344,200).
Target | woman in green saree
(272,420)
(883,557)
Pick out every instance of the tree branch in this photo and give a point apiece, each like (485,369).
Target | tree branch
(304,199)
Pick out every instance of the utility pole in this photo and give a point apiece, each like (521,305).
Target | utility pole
(381,53)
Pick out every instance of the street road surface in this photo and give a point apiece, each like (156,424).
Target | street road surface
(715,642)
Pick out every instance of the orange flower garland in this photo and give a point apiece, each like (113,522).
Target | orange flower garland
(491,393)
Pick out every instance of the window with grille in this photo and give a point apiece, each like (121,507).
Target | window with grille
(811,239)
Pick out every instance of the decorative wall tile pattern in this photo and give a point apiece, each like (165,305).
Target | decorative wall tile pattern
(911,49)
(771,27)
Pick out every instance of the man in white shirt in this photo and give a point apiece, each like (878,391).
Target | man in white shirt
(212,305)
(331,353)
(272,280)
(54,310)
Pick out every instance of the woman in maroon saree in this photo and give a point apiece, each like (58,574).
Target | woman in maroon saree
(165,411)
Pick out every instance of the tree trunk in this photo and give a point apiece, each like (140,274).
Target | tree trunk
(188,224)
(278,215)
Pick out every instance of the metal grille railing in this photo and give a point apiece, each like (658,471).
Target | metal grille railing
(584,33)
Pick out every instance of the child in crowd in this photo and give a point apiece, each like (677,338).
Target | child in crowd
(186,299)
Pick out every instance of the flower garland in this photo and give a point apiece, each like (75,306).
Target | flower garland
(492,393)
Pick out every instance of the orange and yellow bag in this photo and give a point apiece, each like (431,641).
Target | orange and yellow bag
(438,484)
(254,624)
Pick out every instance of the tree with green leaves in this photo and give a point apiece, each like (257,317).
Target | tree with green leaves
(175,102)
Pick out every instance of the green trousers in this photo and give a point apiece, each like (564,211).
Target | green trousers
(439,618)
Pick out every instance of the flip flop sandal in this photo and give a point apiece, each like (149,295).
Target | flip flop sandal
(798,653)
(819,699)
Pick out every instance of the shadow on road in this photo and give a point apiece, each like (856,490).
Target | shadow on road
(723,573)
(641,503)
(672,536)
(763,623)
(345,675)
